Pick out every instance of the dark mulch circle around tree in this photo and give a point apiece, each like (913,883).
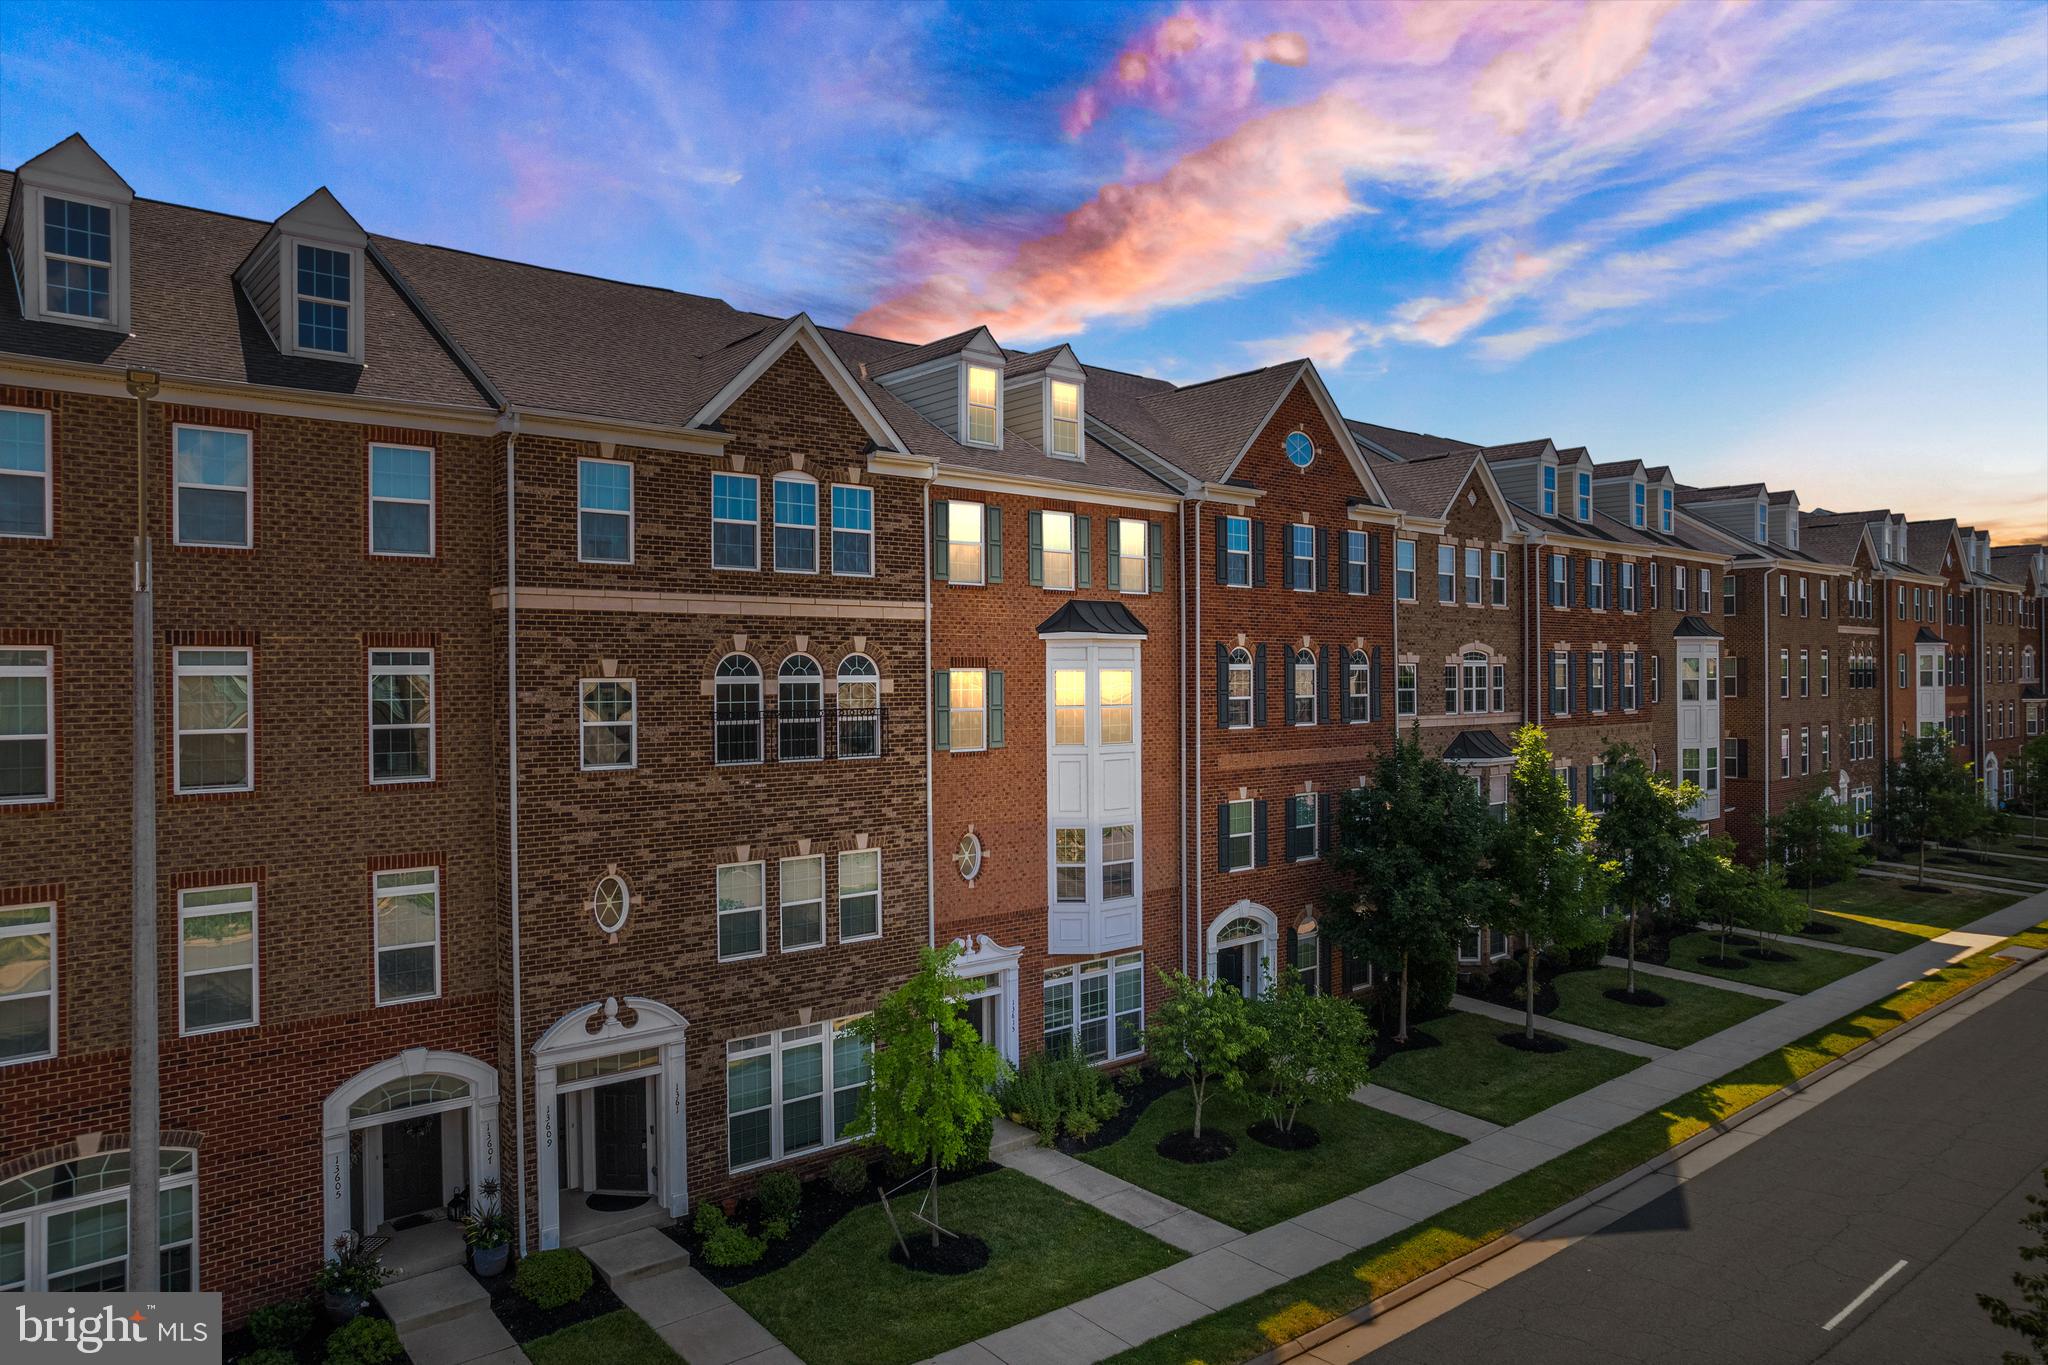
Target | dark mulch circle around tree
(1726,963)
(526,1322)
(1299,1138)
(1819,926)
(1183,1146)
(1738,941)
(1542,1042)
(1927,888)
(1767,955)
(952,1256)
(1384,1046)
(1648,1000)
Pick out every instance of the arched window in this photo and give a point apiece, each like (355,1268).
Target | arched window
(860,708)
(1238,707)
(1473,668)
(1357,686)
(64,1228)
(800,710)
(1302,691)
(610,903)
(796,523)
(736,710)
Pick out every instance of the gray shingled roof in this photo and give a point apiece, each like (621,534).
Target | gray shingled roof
(905,357)
(1515,450)
(1406,445)
(1424,487)
(1201,428)
(1727,492)
(1926,543)
(1831,542)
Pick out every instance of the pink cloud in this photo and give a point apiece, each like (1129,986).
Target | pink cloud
(1187,61)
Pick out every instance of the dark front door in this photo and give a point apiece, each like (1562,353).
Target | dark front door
(622,1136)
(1237,966)
(412,1166)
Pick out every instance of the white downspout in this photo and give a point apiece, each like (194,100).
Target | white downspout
(931,853)
(1189,653)
(512,805)
(1201,806)
(1770,756)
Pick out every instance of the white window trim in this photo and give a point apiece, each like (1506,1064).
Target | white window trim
(1144,556)
(967,369)
(1251,697)
(981,540)
(34,1220)
(47,671)
(1315,700)
(117,268)
(424,878)
(754,565)
(831,491)
(1250,835)
(1295,531)
(255,967)
(433,490)
(759,722)
(432,726)
(772,1045)
(1045,551)
(759,911)
(247,672)
(783,904)
(1315,824)
(1249,552)
(631,513)
(248,491)
(584,725)
(841,679)
(1414,569)
(776,523)
(49,481)
(289,296)
(47,925)
(1071,977)
(952,741)
(1080,421)
(839,899)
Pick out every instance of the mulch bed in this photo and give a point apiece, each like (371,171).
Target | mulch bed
(310,1349)
(1767,955)
(526,1322)
(1189,1150)
(1299,1138)
(1542,1042)
(1138,1098)
(1819,926)
(1730,964)
(952,1256)
(1927,888)
(1649,1000)
(1504,985)
(1738,941)
(1384,1046)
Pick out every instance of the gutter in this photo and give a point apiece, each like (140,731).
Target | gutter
(1188,653)
(931,739)
(1196,673)
(1764,609)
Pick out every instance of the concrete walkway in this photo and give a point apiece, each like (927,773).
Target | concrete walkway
(1719,983)
(444,1318)
(1236,1270)
(1173,1224)
(652,1276)
(1822,943)
(1422,1111)
(1577,1033)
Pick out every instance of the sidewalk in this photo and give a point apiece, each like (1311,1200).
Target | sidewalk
(1233,1271)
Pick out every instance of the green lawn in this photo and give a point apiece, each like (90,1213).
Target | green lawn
(1259,1185)
(1475,1073)
(619,1338)
(844,1302)
(1891,917)
(1689,1014)
(1988,865)
(1809,969)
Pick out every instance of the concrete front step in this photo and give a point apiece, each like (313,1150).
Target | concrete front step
(635,1255)
(434,1297)
(1010,1137)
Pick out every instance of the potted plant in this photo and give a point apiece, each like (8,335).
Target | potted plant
(347,1281)
(488,1230)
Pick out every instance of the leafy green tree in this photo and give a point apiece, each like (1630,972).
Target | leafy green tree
(1206,1032)
(1554,885)
(1929,795)
(1318,1051)
(1646,826)
(1735,896)
(2030,1319)
(2030,780)
(1410,864)
(1811,840)
(934,1079)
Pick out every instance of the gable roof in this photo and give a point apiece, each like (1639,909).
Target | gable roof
(931,350)
(1424,487)
(1927,542)
(1727,492)
(1405,445)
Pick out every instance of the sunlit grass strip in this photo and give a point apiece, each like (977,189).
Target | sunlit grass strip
(1286,1311)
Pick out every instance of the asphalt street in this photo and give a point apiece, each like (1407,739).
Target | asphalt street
(1927,1161)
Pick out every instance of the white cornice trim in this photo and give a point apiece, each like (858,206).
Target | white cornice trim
(949,476)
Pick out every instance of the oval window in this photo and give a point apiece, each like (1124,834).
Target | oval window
(967,857)
(611,904)
(1301,451)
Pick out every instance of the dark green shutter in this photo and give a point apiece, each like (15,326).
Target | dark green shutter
(1036,563)
(1084,553)
(1223,685)
(1155,551)
(939,540)
(995,708)
(1258,684)
(992,533)
(1115,576)
(942,714)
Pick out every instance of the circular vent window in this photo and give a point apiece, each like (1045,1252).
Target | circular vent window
(967,857)
(1301,451)
(611,904)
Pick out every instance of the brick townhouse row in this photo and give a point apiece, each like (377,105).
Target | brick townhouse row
(576,701)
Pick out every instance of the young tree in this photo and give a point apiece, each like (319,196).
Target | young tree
(1410,859)
(1318,1051)
(1205,1032)
(1553,884)
(934,1078)
(1738,897)
(2030,1319)
(1930,795)
(1811,840)
(1646,825)
(2030,781)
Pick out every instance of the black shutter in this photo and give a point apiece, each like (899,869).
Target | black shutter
(1222,685)
(1327,676)
(1258,834)
(1324,964)
(1326,821)
(1222,558)
(1372,562)
(1287,951)
(1258,554)
(1291,833)
(1258,684)
(1223,836)
(1373,686)
(1322,550)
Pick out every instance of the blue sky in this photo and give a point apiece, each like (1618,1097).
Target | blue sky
(1807,243)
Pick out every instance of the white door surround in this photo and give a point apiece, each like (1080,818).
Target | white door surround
(985,964)
(1267,940)
(572,1039)
(479,1101)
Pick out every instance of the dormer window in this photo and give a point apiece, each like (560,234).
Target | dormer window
(1066,417)
(1550,490)
(306,278)
(1638,503)
(1585,503)
(326,294)
(1763,525)
(78,259)
(981,405)
(67,238)
(1664,510)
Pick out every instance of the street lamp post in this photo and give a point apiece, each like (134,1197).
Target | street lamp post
(144,1104)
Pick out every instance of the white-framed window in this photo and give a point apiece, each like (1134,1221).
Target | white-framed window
(1070,865)
(1637,499)
(1301,557)
(742,911)
(1357,686)
(1596,681)
(1826,747)
(214,721)
(1303,827)
(1237,552)
(1119,862)
(802,882)
(1404,570)
(217,960)
(28,726)
(1689,670)
(214,500)
(609,724)
(1803,606)
(964,545)
(1805,749)
(1826,682)
(1560,684)
(1585,503)
(793,1092)
(1132,551)
(1472,946)
(1404,690)
(1689,766)
(860,894)
(402,501)
(1239,703)
(64,1228)
(1096,1009)
(1114,700)
(1301,698)
(1238,843)
(1785,751)
(401,715)
(1056,550)
(78,258)
(611,903)
(1763,525)
(735,521)
(1500,686)
(799,710)
(1473,670)
(1472,560)
(967,710)
(1706,591)
(796,523)
(983,390)
(604,512)
(324,295)
(1678,588)
(736,710)
(1596,584)
(1560,579)
(1626,585)
(1497,577)
(859,705)
(408,923)
(1550,490)
(28,989)
(1446,573)
(1306,961)
(1066,418)
(25,473)
(1357,568)
(1664,510)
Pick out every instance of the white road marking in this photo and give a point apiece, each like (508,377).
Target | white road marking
(1860,1299)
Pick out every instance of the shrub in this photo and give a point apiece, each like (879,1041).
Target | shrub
(709,1218)
(779,1193)
(847,1176)
(774,1229)
(281,1324)
(364,1341)
(269,1355)
(730,1246)
(1055,1094)
(552,1279)
(979,1140)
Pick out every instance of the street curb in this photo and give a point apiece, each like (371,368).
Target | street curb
(1533,1229)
